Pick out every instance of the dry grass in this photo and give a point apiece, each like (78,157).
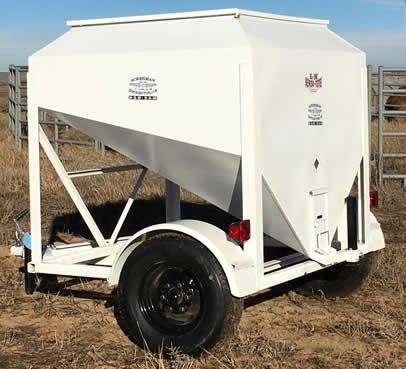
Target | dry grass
(75,327)
(3,98)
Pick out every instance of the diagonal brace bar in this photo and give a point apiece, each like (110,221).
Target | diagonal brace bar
(70,187)
(127,207)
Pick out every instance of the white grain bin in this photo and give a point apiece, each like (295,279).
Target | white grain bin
(263,115)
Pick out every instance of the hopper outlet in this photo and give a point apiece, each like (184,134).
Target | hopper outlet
(320,219)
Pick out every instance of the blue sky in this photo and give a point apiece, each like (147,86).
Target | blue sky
(376,26)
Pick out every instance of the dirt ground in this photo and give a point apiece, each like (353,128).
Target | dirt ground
(74,325)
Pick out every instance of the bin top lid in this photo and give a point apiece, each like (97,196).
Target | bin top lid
(190,15)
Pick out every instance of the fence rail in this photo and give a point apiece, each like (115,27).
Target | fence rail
(18,121)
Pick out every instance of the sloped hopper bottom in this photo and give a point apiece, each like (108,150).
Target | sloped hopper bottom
(213,175)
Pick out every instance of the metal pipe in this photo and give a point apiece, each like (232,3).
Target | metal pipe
(369,71)
(395,91)
(398,155)
(394,112)
(98,171)
(18,140)
(394,176)
(394,134)
(56,134)
(48,122)
(127,207)
(380,123)
(72,142)
(393,69)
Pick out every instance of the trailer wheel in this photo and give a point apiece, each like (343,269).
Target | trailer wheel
(341,280)
(173,293)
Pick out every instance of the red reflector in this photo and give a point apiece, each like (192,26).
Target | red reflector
(240,231)
(234,231)
(373,199)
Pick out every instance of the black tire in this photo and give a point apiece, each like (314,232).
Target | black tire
(30,279)
(341,280)
(173,293)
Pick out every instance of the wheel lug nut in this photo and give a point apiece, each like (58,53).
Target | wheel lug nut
(167,285)
(163,297)
(179,285)
(170,309)
(182,309)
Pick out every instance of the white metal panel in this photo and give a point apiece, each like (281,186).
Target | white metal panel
(284,55)
(211,174)
(197,14)
(196,72)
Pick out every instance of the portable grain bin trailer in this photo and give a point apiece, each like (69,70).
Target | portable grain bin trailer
(264,116)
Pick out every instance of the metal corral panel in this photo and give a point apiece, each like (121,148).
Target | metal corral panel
(165,91)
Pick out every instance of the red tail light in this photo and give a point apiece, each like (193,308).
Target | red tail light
(240,231)
(373,199)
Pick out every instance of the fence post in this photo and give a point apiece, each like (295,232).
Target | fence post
(369,70)
(10,125)
(380,123)
(99,147)
(12,105)
(56,129)
(19,107)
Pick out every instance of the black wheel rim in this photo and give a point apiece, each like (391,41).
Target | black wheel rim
(171,298)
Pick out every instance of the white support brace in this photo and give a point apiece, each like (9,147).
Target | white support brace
(127,207)
(98,171)
(70,187)
(34,165)
(251,171)
(83,256)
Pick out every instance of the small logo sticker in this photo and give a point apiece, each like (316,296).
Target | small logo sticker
(315,115)
(314,82)
(143,88)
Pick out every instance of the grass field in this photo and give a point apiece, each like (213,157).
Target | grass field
(75,327)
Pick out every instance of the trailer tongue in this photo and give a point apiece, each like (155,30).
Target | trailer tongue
(264,116)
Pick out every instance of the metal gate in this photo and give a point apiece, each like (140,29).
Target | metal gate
(17,102)
(388,82)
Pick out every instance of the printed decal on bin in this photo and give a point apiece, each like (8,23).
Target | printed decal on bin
(315,115)
(143,88)
(314,82)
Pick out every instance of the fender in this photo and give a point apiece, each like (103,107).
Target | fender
(238,267)
(375,240)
